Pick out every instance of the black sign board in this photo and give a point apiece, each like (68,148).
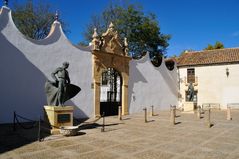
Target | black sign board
(63,118)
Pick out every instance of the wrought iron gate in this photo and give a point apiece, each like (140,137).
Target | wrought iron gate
(110,94)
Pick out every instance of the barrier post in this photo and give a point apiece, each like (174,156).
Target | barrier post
(120,113)
(152,112)
(229,117)
(14,121)
(39,129)
(199,112)
(208,117)
(172,115)
(103,125)
(145,115)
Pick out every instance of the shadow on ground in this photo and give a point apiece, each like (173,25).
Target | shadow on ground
(10,139)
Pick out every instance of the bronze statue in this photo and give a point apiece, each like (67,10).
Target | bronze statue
(190,92)
(61,90)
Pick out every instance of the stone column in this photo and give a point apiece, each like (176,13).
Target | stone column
(125,100)
(97,99)
(229,117)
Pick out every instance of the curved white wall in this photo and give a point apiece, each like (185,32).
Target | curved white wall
(25,65)
(149,85)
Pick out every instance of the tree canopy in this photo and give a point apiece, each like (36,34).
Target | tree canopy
(141,30)
(217,45)
(34,19)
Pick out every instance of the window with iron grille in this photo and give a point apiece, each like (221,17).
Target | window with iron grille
(191,75)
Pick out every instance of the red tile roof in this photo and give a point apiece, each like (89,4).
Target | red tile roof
(209,57)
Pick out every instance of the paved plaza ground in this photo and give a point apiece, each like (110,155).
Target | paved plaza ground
(132,138)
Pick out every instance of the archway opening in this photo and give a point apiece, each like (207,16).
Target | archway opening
(110,92)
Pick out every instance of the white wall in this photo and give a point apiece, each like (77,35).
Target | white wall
(26,64)
(213,84)
(149,85)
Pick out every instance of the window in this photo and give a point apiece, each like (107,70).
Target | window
(104,78)
(191,75)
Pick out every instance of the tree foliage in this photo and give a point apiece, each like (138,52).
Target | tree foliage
(34,19)
(142,31)
(217,45)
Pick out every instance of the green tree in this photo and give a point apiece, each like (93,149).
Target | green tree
(34,19)
(141,30)
(217,45)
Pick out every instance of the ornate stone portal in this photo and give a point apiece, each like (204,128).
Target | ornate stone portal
(109,52)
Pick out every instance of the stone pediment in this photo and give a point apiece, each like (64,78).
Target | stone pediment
(110,42)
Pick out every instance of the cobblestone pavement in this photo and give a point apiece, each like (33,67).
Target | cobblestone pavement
(132,138)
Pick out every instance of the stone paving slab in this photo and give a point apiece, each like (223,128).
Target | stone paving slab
(132,138)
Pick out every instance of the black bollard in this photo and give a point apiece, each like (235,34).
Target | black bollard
(103,125)
(14,121)
(39,129)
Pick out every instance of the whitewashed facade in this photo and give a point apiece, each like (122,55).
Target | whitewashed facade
(216,77)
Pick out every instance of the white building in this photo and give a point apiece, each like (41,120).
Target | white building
(214,73)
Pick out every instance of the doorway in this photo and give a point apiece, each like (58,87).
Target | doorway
(110,92)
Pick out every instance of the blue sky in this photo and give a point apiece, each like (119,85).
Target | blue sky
(193,24)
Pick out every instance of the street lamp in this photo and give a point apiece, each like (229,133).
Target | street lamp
(227,72)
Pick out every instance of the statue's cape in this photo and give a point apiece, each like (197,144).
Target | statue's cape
(52,92)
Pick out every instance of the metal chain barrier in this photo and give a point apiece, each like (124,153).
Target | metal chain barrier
(43,126)
(17,121)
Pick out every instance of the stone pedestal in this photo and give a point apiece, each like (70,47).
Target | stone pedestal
(189,107)
(58,116)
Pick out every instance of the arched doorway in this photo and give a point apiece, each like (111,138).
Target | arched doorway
(110,92)
(109,53)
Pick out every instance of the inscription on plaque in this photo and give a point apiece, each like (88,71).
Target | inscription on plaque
(63,118)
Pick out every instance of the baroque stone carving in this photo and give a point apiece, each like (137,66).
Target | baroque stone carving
(96,40)
(110,42)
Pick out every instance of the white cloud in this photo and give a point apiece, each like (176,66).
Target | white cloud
(235,34)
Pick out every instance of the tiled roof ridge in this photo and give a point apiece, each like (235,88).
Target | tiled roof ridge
(212,50)
(205,57)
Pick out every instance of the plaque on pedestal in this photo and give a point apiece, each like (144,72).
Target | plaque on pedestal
(58,116)
(189,107)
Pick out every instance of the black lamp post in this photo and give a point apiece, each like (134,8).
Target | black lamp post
(227,72)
